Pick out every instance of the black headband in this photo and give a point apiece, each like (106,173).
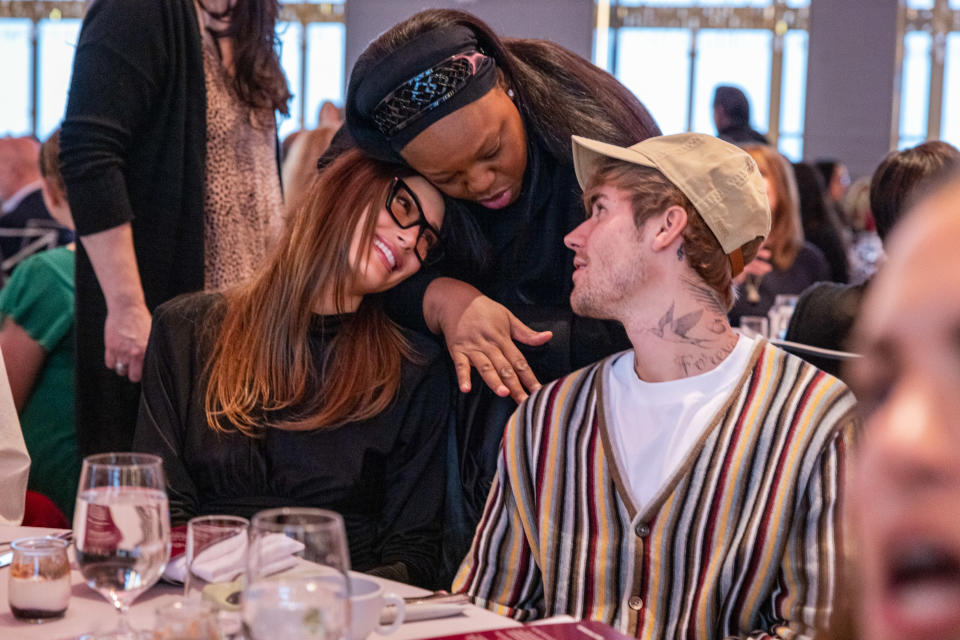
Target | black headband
(391,100)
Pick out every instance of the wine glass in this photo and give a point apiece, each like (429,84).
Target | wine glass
(216,556)
(216,552)
(121,528)
(300,598)
(752,326)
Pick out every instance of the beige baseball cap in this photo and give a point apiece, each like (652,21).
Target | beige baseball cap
(721,180)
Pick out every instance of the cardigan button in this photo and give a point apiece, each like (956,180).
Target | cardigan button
(635,603)
(642,529)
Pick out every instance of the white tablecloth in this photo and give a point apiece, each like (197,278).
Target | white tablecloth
(88,611)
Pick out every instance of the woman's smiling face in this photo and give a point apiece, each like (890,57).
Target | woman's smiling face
(390,257)
(476,153)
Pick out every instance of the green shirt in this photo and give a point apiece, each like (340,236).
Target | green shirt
(39,298)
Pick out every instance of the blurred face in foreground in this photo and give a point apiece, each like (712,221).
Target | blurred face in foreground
(906,499)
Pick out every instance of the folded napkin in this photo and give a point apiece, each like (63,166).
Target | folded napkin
(225,560)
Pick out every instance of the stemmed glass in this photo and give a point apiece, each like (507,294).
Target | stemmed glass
(311,599)
(217,544)
(122,528)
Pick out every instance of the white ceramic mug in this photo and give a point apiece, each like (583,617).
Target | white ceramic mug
(367,600)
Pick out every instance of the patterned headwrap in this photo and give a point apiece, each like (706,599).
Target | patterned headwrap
(391,100)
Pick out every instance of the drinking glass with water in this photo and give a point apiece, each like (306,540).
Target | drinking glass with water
(310,600)
(122,529)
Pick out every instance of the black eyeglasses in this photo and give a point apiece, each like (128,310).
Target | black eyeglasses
(405,209)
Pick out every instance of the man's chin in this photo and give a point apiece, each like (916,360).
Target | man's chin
(584,307)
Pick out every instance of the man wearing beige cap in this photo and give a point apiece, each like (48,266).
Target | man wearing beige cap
(688,487)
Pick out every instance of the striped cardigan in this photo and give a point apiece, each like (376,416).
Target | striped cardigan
(743,541)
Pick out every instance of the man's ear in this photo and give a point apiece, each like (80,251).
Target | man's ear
(672,222)
(50,192)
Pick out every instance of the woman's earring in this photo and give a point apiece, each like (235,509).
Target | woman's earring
(510,93)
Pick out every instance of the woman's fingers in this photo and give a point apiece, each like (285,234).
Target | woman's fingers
(461,363)
(502,367)
(480,333)
(125,336)
(490,372)
(522,333)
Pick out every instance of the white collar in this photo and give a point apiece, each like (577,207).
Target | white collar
(13,201)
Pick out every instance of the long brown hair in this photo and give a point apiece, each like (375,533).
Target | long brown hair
(258,77)
(261,369)
(786,229)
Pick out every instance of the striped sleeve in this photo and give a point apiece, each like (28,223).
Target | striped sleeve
(500,572)
(802,602)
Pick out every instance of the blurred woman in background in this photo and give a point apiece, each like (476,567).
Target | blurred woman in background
(821,226)
(786,264)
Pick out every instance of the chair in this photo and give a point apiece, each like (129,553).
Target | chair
(39,511)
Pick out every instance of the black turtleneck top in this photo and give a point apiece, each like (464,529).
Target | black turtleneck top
(385,475)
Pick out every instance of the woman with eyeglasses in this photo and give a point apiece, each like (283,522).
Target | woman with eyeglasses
(296,389)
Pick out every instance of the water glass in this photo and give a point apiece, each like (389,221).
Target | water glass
(310,600)
(39,585)
(216,552)
(122,528)
(780,314)
(753,326)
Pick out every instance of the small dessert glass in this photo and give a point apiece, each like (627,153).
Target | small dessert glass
(39,585)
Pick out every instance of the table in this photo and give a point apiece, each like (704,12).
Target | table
(89,611)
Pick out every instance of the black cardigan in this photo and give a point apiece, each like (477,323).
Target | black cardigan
(133,149)
(133,140)
(384,475)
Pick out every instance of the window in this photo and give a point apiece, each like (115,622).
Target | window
(930,73)
(15,106)
(739,57)
(793,94)
(951,93)
(313,54)
(757,45)
(57,40)
(311,34)
(915,89)
(664,87)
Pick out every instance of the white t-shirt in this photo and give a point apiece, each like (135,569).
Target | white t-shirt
(654,425)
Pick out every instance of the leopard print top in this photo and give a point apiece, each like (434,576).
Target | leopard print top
(243,205)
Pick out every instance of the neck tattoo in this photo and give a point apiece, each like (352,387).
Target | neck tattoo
(680,253)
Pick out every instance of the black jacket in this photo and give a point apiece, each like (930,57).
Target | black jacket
(384,475)
(824,317)
(133,149)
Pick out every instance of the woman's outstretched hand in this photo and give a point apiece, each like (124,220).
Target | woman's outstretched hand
(481,333)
